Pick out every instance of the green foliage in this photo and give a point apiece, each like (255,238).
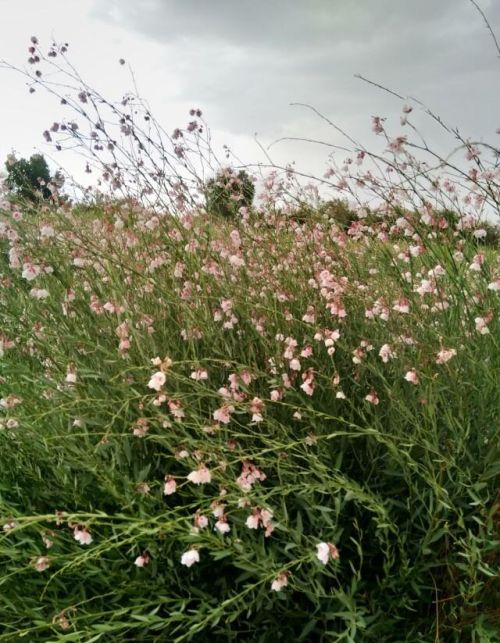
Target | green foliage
(406,488)
(28,179)
(229,191)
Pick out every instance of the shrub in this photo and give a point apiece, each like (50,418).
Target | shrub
(229,191)
(240,432)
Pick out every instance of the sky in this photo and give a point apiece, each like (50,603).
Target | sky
(244,62)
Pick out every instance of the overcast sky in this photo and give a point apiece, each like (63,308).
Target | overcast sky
(244,61)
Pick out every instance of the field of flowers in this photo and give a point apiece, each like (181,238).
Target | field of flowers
(248,422)
(246,430)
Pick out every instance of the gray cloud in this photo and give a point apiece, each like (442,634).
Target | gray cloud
(246,61)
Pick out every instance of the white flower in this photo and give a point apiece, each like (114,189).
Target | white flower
(39,293)
(170,486)
(200,476)
(157,380)
(190,557)
(325,551)
(142,560)
(252,522)
(30,271)
(82,536)
(280,581)
(222,526)
(42,563)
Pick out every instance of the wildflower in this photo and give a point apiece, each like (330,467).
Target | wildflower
(142,560)
(157,380)
(412,377)
(308,382)
(386,353)
(280,581)
(200,476)
(199,522)
(256,408)
(42,563)
(170,486)
(250,474)
(70,376)
(222,525)
(482,324)
(82,536)
(261,518)
(61,620)
(377,126)
(143,488)
(190,557)
(445,354)
(39,293)
(325,551)
(199,374)
(494,285)
(8,526)
(176,409)
(47,542)
(372,397)
(30,271)
(223,414)
(396,145)
(252,522)
(140,428)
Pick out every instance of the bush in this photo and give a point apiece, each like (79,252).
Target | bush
(229,191)
(241,433)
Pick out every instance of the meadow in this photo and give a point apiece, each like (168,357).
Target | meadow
(273,426)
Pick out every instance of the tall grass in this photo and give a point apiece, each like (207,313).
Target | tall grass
(277,427)
(399,476)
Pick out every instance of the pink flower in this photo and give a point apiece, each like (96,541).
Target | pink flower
(325,551)
(30,271)
(82,536)
(199,374)
(257,408)
(445,354)
(157,380)
(482,324)
(280,581)
(223,414)
(494,285)
(42,563)
(222,525)
(386,353)
(250,474)
(71,376)
(142,560)
(412,377)
(170,486)
(261,518)
(201,475)
(372,397)
(377,126)
(253,520)
(200,521)
(190,557)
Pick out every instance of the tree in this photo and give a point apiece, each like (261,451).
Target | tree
(28,179)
